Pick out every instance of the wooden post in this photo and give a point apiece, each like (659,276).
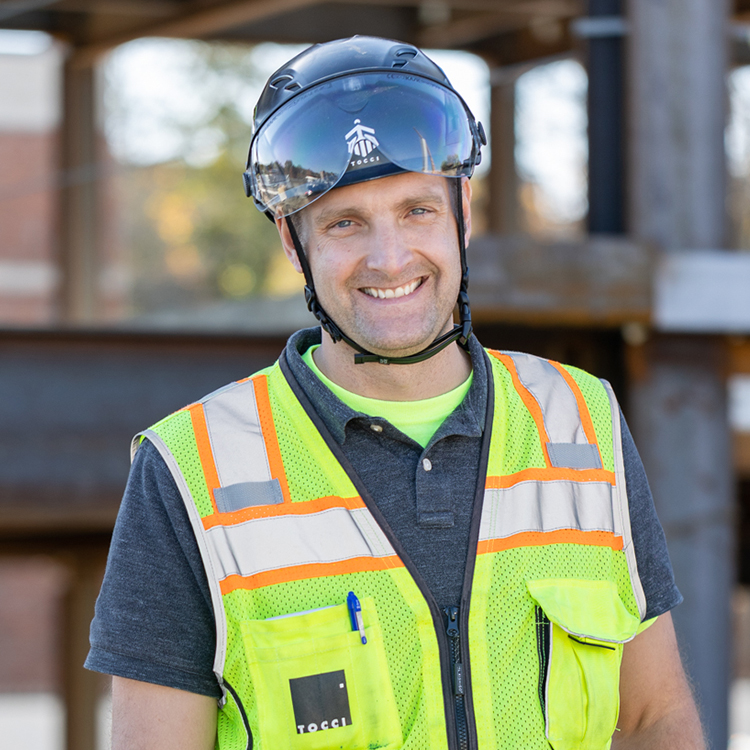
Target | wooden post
(677,70)
(77,213)
(80,687)
(503,179)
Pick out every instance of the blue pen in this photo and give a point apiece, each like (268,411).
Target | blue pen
(355,615)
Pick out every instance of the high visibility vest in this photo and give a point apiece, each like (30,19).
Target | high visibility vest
(292,542)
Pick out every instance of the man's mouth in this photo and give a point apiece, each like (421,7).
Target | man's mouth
(399,291)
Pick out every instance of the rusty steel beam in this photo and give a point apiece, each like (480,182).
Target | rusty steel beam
(196,24)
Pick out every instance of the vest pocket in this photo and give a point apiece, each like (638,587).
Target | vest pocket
(580,629)
(317,685)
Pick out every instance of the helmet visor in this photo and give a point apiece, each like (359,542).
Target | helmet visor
(362,126)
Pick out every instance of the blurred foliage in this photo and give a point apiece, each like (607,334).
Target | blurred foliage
(191,234)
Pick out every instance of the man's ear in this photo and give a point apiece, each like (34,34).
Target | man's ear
(466,193)
(286,242)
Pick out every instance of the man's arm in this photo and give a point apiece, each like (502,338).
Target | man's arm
(657,707)
(152,717)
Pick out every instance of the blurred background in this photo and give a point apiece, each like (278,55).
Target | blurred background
(612,229)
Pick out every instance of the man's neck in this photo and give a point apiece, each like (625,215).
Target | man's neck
(437,375)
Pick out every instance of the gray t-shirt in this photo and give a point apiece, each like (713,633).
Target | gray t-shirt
(154,618)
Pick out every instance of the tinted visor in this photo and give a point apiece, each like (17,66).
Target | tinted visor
(358,128)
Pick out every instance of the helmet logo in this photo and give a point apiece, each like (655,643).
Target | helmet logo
(361,139)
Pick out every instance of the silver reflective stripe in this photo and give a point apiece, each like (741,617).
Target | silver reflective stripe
(548,506)
(271,543)
(574,456)
(247,495)
(622,507)
(236,438)
(557,402)
(209,562)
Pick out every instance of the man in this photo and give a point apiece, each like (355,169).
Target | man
(391,538)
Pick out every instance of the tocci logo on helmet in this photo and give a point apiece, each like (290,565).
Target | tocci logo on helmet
(361,139)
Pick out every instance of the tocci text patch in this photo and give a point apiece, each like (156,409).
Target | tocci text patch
(320,702)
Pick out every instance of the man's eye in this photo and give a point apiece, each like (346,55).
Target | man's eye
(343,224)
(419,210)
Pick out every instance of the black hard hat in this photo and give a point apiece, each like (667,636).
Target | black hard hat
(342,57)
(354,110)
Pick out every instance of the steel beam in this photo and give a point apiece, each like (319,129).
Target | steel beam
(606,109)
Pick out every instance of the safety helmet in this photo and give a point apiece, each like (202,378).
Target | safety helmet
(354,110)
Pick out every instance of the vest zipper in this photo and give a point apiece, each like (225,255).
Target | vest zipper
(460,721)
(457,674)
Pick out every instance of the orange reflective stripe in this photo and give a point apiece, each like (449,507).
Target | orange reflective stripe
(305,572)
(528,399)
(270,438)
(542,538)
(588,425)
(286,509)
(205,453)
(552,474)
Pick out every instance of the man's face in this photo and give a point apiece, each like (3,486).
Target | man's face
(385,260)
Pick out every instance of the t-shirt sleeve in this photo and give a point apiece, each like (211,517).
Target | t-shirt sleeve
(154,619)
(652,557)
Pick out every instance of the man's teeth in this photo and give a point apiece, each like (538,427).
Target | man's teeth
(401,291)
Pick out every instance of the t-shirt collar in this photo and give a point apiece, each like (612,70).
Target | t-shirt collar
(468,419)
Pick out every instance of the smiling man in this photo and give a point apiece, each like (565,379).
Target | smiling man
(392,538)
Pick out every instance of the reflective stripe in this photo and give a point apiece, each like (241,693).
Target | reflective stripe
(264,544)
(557,401)
(233,423)
(206,556)
(622,505)
(548,506)
(574,455)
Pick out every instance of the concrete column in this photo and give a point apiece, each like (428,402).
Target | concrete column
(676,76)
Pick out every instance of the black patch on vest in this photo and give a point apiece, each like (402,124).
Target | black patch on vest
(320,702)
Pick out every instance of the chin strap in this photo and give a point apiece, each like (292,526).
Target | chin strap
(460,332)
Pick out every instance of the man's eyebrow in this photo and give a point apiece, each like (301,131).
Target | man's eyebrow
(428,196)
(328,215)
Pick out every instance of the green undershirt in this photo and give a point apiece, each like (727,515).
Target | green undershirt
(417,419)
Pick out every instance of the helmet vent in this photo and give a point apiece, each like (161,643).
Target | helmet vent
(277,83)
(407,52)
(293,86)
(399,63)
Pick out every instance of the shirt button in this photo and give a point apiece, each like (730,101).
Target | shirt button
(376,428)
(427,464)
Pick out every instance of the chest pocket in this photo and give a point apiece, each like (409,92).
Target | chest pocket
(581,628)
(317,685)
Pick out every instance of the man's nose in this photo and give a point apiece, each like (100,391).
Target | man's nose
(389,251)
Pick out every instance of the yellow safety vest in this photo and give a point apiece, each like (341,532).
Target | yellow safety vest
(532,656)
